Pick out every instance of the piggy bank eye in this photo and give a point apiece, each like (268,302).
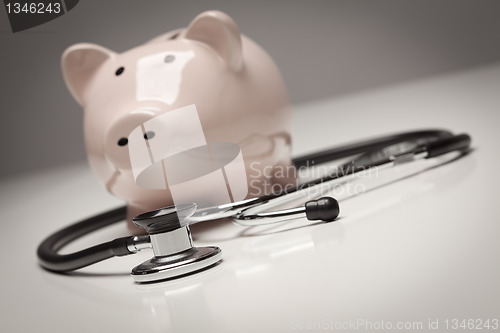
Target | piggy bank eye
(149,135)
(119,71)
(122,142)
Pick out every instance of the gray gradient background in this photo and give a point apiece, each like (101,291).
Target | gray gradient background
(323,48)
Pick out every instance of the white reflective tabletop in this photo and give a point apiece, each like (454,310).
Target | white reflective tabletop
(419,254)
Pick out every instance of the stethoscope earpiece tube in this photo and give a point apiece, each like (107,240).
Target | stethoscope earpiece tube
(366,145)
(458,142)
(324,209)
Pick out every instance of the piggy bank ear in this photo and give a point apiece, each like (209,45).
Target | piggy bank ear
(218,31)
(79,64)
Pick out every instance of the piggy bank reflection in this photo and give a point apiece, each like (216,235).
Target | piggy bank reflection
(237,90)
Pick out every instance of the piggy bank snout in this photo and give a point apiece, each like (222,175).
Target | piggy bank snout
(116,141)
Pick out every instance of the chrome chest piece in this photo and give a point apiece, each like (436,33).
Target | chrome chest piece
(174,254)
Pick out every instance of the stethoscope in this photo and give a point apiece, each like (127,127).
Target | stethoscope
(168,228)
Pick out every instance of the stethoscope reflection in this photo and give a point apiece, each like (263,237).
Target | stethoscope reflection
(165,301)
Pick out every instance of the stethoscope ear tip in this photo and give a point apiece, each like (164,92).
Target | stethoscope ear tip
(325,209)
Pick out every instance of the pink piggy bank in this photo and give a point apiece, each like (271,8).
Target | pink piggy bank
(236,90)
